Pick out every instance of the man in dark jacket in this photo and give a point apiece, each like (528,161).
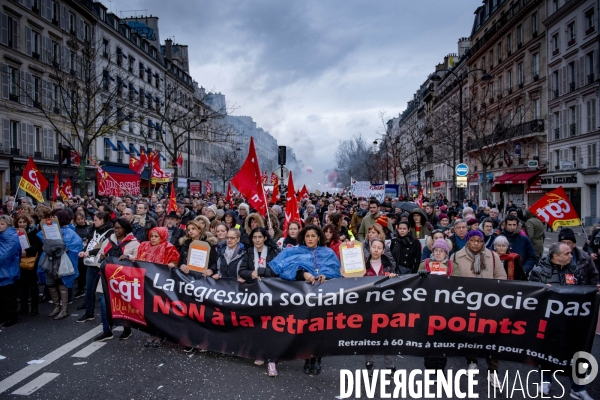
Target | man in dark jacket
(142,223)
(581,259)
(557,268)
(519,244)
(459,238)
(175,232)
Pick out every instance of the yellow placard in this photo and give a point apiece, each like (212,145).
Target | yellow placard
(353,259)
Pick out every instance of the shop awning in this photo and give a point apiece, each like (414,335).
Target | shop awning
(122,146)
(111,144)
(132,149)
(513,178)
(535,186)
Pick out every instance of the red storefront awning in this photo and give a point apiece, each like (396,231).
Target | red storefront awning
(514,178)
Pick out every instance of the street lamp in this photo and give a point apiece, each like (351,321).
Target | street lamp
(436,78)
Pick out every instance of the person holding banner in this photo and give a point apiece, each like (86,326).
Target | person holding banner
(312,262)
(194,231)
(229,262)
(292,234)
(512,261)
(10,258)
(29,260)
(258,256)
(158,250)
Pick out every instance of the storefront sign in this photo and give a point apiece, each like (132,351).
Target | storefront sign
(559,180)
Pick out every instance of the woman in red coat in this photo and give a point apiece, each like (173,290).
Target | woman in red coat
(159,251)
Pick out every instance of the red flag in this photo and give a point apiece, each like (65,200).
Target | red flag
(229,196)
(33,181)
(66,191)
(180,161)
(249,183)
(75,158)
(303,193)
(172,200)
(143,158)
(275,195)
(264,177)
(151,158)
(136,165)
(208,188)
(56,190)
(419,199)
(158,175)
(273,178)
(556,210)
(291,206)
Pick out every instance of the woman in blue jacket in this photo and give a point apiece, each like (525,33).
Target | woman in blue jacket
(10,259)
(59,285)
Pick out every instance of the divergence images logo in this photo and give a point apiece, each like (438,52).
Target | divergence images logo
(584,368)
(126,292)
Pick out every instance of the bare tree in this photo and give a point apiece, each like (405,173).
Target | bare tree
(352,159)
(78,95)
(225,164)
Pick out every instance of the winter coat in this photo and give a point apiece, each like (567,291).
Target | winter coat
(35,244)
(176,234)
(387,267)
(386,252)
(231,269)
(406,252)
(548,273)
(220,247)
(517,267)
(74,245)
(355,222)
(457,243)
(212,255)
(83,231)
(10,256)
(335,246)
(128,246)
(462,262)
(522,246)
(589,272)
(247,265)
(142,226)
(426,251)
(535,232)
(366,223)
(245,233)
(188,216)
(289,241)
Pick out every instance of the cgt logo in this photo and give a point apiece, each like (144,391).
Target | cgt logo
(584,368)
(126,292)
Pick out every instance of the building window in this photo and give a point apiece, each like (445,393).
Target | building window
(571,73)
(571,32)
(520,35)
(592,155)
(149,76)
(87,33)
(572,121)
(119,57)
(13,83)
(534,24)
(499,52)
(500,86)
(556,125)
(521,114)
(589,66)
(37,90)
(10,32)
(536,65)
(55,12)
(71,22)
(38,144)
(131,62)
(591,115)
(120,151)
(555,44)
(105,48)
(536,108)
(56,97)
(141,65)
(555,84)
(555,5)
(131,123)
(510,80)
(521,75)
(35,43)
(107,151)
(14,134)
(55,52)
(589,21)
(509,44)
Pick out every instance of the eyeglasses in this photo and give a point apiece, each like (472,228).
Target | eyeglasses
(439,251)
(231,237)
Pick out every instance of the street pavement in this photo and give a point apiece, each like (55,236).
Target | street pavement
(71,366)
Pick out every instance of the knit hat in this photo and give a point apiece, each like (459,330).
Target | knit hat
(213,208)
(383,221)
(220,213)
(441,244)
(567,234)
(472,221)
(443,208)
(442,216)
(474,232)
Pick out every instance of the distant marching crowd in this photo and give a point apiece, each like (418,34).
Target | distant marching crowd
(398,237)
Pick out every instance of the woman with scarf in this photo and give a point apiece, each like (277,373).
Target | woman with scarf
(312,262)
(159,251)
(511,261)
(378,264)
(405,249)
(427,251)
(29,260)
(221,234)
(375,231)
(124,246)
(475,261)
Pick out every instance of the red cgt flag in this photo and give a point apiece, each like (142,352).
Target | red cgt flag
(66,191)
(143,157)
(248,181)
(56,191)
(275,196)
(33,181)
(303,193)
(556,210)
(229,195)
(419,199)
(172,200)
(291,206)
(136,165)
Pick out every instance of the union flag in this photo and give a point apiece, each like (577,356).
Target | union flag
(33,181)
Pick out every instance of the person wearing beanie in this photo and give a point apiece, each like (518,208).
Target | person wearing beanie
(211,212)
(475,261)
(473,224)
(581,259)
(243,212)
(443,222)
(427,251)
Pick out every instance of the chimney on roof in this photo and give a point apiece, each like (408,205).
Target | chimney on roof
(169,49)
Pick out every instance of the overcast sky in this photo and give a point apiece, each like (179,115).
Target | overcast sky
(312,73)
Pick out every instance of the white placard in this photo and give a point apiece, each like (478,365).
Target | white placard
(353,259)
(52,232)
(24,242)
(197,257)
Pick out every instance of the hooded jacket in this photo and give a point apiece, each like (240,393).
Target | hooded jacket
(425,229)
(245,233)
(162,253)
(10,256)
(522,246)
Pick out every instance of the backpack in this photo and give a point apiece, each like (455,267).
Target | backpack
(55,261)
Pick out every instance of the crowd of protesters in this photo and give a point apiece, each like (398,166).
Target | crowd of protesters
(440,238)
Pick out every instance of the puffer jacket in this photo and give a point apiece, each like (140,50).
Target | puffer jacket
(247,266)
(230,269)
(10,256)
(548,273)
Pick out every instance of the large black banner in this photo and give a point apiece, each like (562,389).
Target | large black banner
(274,319)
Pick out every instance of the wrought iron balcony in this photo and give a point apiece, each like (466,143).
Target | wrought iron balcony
(508,133)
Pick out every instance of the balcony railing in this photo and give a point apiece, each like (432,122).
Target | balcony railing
(508,133)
